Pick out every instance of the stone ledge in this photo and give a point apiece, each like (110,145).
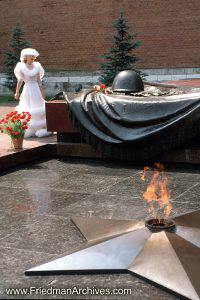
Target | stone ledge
(52,150)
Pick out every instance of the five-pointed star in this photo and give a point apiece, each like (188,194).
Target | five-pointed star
(170,259)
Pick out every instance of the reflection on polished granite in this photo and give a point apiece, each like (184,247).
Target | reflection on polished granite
(38,199)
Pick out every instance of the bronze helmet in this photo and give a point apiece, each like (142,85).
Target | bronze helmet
(127,81)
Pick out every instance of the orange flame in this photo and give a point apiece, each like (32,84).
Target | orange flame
(143,175)
(157,194)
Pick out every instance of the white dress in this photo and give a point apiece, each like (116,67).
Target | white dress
(31,99)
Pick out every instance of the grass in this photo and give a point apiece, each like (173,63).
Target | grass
(12,102)
(8,100)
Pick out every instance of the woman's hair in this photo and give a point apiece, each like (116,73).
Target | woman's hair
(25,59)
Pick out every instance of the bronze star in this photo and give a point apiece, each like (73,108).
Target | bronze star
(168,259)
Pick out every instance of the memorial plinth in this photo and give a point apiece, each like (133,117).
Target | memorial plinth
(58,120)
(70,141)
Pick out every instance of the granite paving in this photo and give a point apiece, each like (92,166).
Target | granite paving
(38,199)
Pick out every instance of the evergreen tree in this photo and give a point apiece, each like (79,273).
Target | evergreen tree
(121,56)
(12,56)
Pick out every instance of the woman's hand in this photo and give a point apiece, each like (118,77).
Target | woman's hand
(42,91)
(40,86)
(19,83)
(16,96)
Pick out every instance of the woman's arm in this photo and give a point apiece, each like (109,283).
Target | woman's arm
(19,83)
(40,86)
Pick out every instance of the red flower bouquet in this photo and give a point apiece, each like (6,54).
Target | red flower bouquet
(15,124)
(103,88)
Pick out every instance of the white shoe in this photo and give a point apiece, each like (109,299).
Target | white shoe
(29,133)
(42,132)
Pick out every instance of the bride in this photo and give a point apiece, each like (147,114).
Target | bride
(32,97)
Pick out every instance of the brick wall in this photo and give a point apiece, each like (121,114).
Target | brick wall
(73,34)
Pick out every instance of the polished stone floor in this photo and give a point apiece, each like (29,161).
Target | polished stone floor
(38,199)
